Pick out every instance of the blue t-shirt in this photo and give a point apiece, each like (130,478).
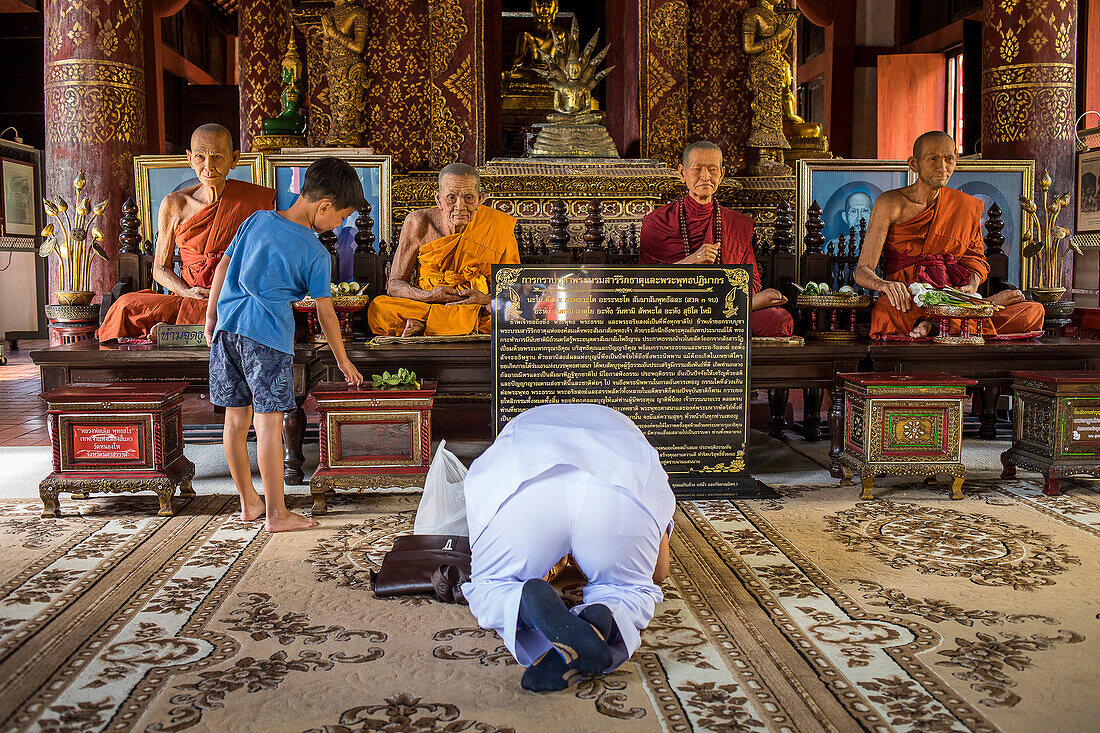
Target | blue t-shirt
(272,263)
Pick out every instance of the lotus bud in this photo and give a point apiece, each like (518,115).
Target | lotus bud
(50,207)
(97,234)
(62,205)
(79,182)
(1059,232)
(1046,181)
(47,231)
(84,207)
(100,207)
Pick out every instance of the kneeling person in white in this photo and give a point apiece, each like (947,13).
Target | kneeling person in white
(560,480)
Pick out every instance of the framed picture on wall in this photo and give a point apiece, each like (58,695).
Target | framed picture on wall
(285,173)
(20,198)
(1000,182)
(156,176)
(1087,192)
(845,190)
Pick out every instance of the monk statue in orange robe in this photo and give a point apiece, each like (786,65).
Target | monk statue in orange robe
(929,233)
(454,245)
(200,220)
(696,230)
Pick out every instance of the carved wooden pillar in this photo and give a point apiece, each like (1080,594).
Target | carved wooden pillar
(1029,87)
(95,110)
(261,27)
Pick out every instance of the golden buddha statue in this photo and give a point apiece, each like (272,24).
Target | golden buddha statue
(345,38)
(574,129)
(540,38)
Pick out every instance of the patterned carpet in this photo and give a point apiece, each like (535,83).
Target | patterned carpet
(809,612)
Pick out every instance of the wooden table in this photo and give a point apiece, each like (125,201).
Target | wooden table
(464,373)
(90,362)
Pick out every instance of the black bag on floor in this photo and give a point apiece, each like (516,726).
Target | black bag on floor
(424,563)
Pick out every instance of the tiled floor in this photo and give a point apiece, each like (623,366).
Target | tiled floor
(22,414)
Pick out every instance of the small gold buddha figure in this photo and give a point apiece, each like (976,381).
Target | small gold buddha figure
(539,39)
(572,73)
(345,39)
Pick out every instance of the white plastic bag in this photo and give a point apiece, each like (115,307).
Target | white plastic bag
(442,507)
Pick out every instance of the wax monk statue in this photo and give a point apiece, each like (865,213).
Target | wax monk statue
(683,233)
(454,245)
(929,233)
(201,220)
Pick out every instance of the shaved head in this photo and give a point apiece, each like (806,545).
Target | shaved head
(210,132)
(461,170)
(702,145)
(930,137)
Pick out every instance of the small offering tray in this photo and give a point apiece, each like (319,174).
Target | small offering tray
(833,300)
(338,301)
(971,318)
(961,312)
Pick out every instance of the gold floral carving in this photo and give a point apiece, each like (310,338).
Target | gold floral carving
(95,102)
(1025,100)
(446,27)
(666,105)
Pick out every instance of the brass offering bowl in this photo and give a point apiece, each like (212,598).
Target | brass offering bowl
(826,326)
(970,332)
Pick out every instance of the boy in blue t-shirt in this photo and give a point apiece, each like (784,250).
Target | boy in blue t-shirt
(274,260)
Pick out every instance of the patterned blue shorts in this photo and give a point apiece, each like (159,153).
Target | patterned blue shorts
(244,372)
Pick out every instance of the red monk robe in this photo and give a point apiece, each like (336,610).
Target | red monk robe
(202,240)
(464,261)
(942,246)
(662,243)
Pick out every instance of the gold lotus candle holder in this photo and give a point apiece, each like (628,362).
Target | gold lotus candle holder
(68,239)
(1041,246)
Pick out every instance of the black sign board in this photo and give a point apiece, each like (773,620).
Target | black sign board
(667,346)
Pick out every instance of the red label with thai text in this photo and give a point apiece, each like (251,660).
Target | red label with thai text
(112,442)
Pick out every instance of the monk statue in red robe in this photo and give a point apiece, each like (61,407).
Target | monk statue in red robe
(200,220)
(696,230)
(929,233)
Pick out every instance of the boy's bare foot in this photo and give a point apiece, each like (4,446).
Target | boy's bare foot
(289,522)
(413,327)
(921,330)
(252,510)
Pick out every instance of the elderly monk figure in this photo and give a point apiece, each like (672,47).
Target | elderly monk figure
(201,220)
(696,230)
(929,233)
(454,245)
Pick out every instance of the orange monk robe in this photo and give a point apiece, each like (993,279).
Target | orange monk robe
(202,240)
(942,246)
(463,261)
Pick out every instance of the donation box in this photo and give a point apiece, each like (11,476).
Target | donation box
(116,438)
(371,439)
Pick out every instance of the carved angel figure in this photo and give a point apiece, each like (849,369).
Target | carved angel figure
(572,73)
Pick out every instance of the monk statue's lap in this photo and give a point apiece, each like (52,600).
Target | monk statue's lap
(451,249)
(930,233)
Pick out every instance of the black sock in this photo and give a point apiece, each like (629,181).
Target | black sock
(575,639)
(550,672)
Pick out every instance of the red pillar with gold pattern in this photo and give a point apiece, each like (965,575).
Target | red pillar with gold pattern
(262,27)
(95,110)
(1029,79)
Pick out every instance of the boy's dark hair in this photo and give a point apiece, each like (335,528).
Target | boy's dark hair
(333,179)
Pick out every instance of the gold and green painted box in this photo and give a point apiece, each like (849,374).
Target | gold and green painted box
(903,424)
(1055,426)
